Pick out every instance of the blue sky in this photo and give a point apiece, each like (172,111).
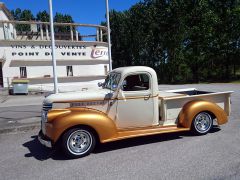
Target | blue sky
(82,11)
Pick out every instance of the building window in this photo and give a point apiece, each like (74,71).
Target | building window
(23,72)
(69,71)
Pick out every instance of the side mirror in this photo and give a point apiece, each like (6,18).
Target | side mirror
(100,84)
(124,84)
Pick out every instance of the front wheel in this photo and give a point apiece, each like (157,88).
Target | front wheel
(202,123)
(78,142)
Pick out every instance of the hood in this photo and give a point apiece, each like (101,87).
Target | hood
(88,95)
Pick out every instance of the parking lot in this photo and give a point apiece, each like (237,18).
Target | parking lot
(168,156)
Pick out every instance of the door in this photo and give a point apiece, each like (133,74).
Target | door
(135,102)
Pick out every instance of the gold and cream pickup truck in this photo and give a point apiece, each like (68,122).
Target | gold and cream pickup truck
(127,105)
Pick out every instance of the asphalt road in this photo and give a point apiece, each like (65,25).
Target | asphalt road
(170,156)
(15,116)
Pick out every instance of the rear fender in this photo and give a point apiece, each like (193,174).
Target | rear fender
(192,108)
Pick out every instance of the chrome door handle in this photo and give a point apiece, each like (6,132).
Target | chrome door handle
(147,97)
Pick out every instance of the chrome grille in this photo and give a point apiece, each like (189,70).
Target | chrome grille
(47,107)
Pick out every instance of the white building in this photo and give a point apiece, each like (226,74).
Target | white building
(82,60)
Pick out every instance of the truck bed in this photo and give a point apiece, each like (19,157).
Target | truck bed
(172,101)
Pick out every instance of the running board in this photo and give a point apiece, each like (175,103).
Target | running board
(125,134)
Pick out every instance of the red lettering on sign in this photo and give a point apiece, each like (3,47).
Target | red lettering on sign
(99,52)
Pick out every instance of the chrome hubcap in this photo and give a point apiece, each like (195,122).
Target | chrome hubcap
(79,142)
(203,122)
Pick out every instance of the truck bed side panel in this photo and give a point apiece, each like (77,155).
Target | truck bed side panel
(170,107)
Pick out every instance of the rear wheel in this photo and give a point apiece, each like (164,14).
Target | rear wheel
(78,142)
(202,123)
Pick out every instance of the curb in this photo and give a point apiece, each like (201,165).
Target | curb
(20,129)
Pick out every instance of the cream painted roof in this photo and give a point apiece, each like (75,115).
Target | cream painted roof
(133,69)
(130,69)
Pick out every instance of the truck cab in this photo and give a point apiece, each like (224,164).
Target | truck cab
(128,104)
(136,97)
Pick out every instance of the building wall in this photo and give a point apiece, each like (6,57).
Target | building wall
(87,66)
(7,31)
(89,60)
(3,17)
(82,70)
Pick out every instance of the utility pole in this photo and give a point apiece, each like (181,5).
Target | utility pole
(109,36)
(53,48)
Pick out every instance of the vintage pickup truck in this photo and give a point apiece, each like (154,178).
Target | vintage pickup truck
(128,104)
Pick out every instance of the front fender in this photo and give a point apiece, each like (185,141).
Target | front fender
(192,108)
(67,118)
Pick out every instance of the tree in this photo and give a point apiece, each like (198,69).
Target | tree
(43,16)
(25,15)
(225,47)
(16,14)
(63,18)
(184,41)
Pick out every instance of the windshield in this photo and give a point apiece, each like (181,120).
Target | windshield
(112,80)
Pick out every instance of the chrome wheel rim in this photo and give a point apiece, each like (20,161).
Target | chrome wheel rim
(203,122)
(79,142)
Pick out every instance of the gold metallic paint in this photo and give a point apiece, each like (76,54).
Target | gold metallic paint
(145,132)
(52,114)
(106,99)
(88,100)
(59,120)
(95,119)
(136,97)
(191,109)
(105,127)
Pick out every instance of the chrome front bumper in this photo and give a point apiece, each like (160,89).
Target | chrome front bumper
(43,140)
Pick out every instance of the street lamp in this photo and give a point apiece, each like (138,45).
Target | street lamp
(53,48)
(109,36)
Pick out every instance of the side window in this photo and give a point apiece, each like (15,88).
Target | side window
(138,82)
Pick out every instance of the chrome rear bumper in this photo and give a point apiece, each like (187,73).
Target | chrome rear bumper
(43,140)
